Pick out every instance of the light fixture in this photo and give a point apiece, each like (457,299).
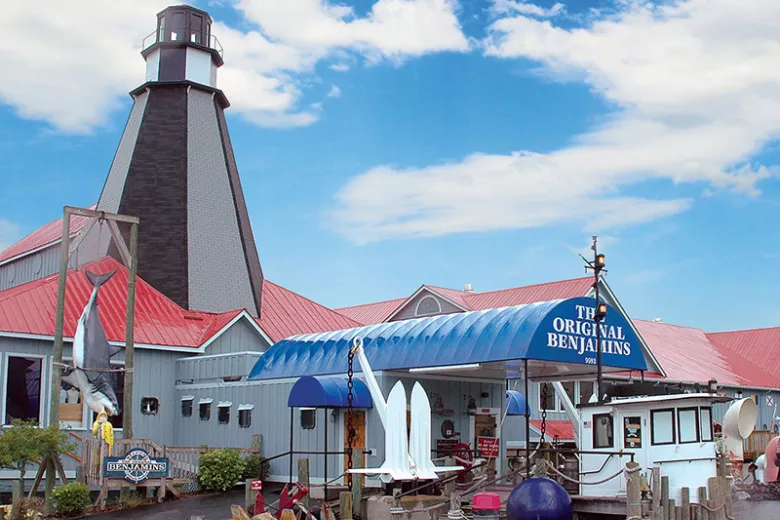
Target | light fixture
(601,311)
(712,386)
(471,409)
(600,260)
(470,366)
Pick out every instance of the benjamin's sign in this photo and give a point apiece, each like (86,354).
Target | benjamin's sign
(136,467)
(579,334)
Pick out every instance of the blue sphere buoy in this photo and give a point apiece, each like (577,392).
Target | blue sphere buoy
(539,498)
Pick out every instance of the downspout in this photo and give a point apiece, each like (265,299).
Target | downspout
(571,411)
(373,387)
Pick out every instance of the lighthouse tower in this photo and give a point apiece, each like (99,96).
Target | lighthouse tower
(175,169)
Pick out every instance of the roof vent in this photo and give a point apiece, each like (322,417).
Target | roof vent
(468,288)
(657,320)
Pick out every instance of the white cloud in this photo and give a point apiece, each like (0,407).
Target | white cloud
(334,91)
(696,92)
(9,234)
(71,63)
(526,8)
(340,67)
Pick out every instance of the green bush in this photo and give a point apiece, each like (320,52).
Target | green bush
(220,469)
(72,499)
(257,467)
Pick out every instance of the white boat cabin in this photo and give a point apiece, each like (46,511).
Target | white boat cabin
(672,432)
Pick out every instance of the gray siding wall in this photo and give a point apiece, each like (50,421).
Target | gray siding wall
(34,267)
(218,273)
(241,337)
(409,310)
(213,369)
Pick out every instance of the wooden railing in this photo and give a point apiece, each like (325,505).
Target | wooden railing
(756,443)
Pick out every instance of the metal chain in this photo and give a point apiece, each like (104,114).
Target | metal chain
(544,414)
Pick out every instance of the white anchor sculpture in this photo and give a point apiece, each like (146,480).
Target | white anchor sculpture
(406,457)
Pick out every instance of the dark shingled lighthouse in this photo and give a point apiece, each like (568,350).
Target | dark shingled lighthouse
(175,169)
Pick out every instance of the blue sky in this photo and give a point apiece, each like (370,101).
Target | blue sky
(480,142)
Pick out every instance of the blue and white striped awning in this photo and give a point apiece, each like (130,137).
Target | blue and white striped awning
(553,332)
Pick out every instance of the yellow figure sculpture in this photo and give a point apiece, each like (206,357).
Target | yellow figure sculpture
(105,428)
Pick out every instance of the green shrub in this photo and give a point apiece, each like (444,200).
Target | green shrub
(220,470)
(257,467)
(25,508)
(72,499)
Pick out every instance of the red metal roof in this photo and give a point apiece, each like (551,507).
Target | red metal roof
(563,429)
(759,346)
(30,309)
(286,313)
(44,235)
(371,313)
(687,354)
(378,312)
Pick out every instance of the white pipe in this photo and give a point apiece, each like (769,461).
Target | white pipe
(373,387)
(571,411)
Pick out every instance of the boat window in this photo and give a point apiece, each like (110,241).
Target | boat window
(552,399)
(150,405)
(308,418)
(204,409)
(586,391)
(245,415)
(632,432)
(186,406)
(223,413)
(705,418)
(662,426)
(603,431)
(688,421)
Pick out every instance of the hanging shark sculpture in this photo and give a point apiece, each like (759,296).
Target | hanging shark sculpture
(92,355)
(407,456)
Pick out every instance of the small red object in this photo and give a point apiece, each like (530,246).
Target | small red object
(486,502)
(287,501)
(259,504)
(257,485)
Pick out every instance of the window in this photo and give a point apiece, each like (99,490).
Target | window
(632,432)
(571,389)
(186,405)
(308,418)
(223,412)
(688,420)
(245,415)
(23,388)
(428,305)
(662,427)
(705,418)
(204,409)
(150,405)
(603,431)
(586,391)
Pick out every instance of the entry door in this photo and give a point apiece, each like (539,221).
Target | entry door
(485,426)
(359,442)
(634,436)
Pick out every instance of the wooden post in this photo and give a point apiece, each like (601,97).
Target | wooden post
(303,478)
(665,497)
(127,406)
(686,503)
(56,374)
(656,483)
(357,483)
(633,490)
(345,504)
(716,499)
(705,515)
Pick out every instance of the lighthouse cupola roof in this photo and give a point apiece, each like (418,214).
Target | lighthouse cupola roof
(182,47)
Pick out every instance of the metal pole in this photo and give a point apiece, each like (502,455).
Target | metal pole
(598,324)
(127,405)
(326,453)
(292,422)
(527,423)
(56,374)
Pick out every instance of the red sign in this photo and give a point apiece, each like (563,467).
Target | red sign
(487,446)
(257,485)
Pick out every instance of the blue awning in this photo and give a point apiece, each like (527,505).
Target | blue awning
(328,392)
(548,333)
(516,403)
